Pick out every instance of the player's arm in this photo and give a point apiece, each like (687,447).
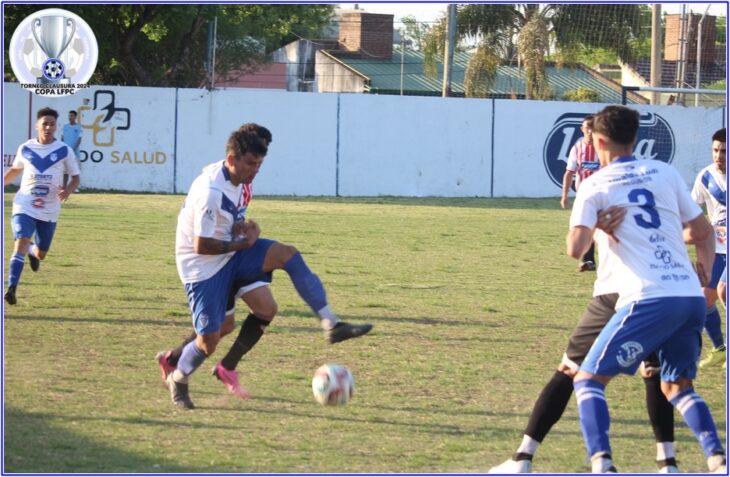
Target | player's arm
(567,180)
(11,174)
(213,246)
(699,232)
(578,241)
(66,191)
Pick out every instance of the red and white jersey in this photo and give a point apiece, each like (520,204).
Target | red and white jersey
(43,168)
(651,257)
(582,161)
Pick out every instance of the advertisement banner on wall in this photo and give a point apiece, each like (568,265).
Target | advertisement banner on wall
(127,135)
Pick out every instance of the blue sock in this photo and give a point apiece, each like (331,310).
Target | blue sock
(308,285)
(17,261)
(594,418)
(714,327)
(697,415)
(190,359)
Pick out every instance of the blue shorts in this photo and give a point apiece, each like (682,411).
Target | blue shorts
(208,298)
(25,226)
(718,268)
(670,326)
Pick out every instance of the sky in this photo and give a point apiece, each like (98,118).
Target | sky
(428,12)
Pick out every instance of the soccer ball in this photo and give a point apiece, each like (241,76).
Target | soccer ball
(333,384)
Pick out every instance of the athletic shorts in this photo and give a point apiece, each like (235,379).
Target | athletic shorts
(718,268)
(241,287)
(25,226)
(598,312)
(208,298)
(672,326)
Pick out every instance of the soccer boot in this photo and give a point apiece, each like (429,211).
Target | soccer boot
(511,466)
(165,366)
(35,262)
(10,296)
(587,266)
(716,464)
(602,465)
(668,466)
(715,358)
(179,393)
(669,469)
(230,379)
(344,331)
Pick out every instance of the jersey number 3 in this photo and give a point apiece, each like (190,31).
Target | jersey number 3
(637,196)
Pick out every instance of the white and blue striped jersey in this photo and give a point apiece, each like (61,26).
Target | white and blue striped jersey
(43,168)
(652,258)
(212,206)
(710,188)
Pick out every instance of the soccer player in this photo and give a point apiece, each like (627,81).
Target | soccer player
(661,306)
(216,247)
(582,162)
(553,399)
(710,188)
(42,161)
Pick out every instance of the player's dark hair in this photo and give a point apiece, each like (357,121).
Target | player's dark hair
(259,130)
(619,123)
(73,111)
(47,112)
(719,135)
(242,142)
(589,120)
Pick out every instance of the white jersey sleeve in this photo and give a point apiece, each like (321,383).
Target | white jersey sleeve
(209,211)
(572,164)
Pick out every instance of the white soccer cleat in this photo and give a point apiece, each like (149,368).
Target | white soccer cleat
(716,464)
(512,467)
(602,465)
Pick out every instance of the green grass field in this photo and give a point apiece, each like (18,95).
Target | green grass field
(472,301)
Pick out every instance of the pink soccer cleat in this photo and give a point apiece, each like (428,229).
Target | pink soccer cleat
(230,379)
(165,366)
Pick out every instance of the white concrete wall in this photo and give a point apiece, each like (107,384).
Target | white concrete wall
(414,146)
(157,140)
(302,157)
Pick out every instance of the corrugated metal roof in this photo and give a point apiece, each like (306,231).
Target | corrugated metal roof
(385,77)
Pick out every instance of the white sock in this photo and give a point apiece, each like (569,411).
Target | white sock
(327,317)
(179,377)
(528,445)
(664,450)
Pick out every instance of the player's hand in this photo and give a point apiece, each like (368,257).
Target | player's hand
(609,219)
(63,194)
(239,231)
(252,231)
(563,202)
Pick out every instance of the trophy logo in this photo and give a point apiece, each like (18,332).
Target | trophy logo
(53,52)
(52,34)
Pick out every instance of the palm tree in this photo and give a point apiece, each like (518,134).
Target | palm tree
(527,31)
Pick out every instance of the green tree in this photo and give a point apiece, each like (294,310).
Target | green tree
(414,31)
(526,31)
(167,44)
